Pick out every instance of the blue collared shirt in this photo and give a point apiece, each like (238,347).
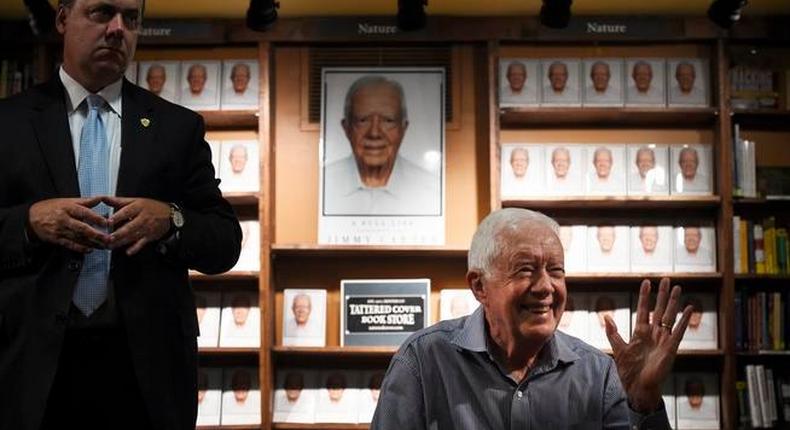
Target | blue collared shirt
(444,377)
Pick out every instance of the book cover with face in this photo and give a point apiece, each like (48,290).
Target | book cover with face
(207,306)
(574,247)
(456,303)
(603,82)
(295,395)
(200,85)
(695,248)
(646,81)
(239,166)
(697,404)
(606,170)
(575,318)
(614,304)
(160,78)
(368,396)
(209,396)
(648,170)
(564,170)
(651,248)
(518,78)
(304,317)
(702,331)
(608,248)
(522,170)
(337,397)
(691,172)
(250,257)
(687,80)
(241,396)
(241,320)
(239,84)
(561,78)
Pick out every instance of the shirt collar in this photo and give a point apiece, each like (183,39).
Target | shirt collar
(472,336)
(396,177)
(76,93)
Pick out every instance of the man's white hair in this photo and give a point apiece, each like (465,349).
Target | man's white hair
(372,81)
(486,245)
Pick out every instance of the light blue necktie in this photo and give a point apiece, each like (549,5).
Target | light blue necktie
(93,172)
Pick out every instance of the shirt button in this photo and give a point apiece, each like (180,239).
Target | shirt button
(73,265)
(519,394)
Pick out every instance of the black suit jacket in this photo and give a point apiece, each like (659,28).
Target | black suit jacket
(164,157)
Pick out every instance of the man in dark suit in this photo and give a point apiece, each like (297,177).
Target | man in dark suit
(107,197)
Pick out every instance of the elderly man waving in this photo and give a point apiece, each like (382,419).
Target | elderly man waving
(507,367)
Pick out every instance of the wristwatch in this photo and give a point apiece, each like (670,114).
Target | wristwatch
(176,218)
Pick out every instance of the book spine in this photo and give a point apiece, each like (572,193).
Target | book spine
(739,322)
(750,244)
(777,321)
(753,394)
(759,249)
(762,394)
(769,377)
(744,245)
(736,249)
(743,403)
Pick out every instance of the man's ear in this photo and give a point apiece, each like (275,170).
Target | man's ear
(475,281)
(60,20)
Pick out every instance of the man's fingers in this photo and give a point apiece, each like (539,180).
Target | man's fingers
(72,246)
(661,301)
(671,313)
(124,215)
(680,329)
(643,305)
(125,235)
(116,202)
(84,233)
(615,340)
(90,202)
(134,249)
(86,215)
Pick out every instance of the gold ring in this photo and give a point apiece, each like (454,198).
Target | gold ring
(666,326)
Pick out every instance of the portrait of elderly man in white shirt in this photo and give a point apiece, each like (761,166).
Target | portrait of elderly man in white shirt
(561,83)
(522,170)
(304,318)
(688,85)
(507,366)
(375,179)
(695,249)
(648,173)
(519,79)
(606,170)
(564,170)
(646,83)
(200,85)
(239,84)
(691,170)
(651,248)
(604,82)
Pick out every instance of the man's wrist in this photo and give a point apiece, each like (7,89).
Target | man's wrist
(645,402)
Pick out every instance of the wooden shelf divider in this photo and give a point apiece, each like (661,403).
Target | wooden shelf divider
(514,118)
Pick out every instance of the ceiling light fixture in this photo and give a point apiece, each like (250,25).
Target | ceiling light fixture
(725,13)
(555,13)
(411,14)
(262,14)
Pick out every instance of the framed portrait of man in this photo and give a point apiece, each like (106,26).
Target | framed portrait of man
(518,82)
(522,170)
(564,170)
(606,171)
(216,148)
(241,397)
(337,397)
(648,170)
(687,80)
(691,169)
(456,303)
(240,324)
(608,248)
(575,318)
(209,396)
(702,331)
(160,78)
(574,246)
(382,156)
(304,317)
(199,88)
(646,81)
(695,248)
(697,404)
(239,84)
(295,396)
(603,78)
(651,248)
(369,394)
(131,72)
(614,304)
(561,78)
(239,166)
(250,256)
(207,306)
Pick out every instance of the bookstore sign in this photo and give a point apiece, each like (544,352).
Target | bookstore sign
(383,312)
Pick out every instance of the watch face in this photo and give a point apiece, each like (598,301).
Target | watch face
(178,218)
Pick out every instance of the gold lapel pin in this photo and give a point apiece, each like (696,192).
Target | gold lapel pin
(145,122)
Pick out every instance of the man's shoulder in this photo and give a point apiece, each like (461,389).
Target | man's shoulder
(30,98)
(145,97)
(585,351)
(438,335)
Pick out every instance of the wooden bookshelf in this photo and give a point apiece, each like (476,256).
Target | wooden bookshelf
(217,351)
(746,277)
(762,119)
(617,203)
(513,118)
(230,427)
(290,426)
(242,199)
(335,351)
(230,119)
(312,250)
(228,276)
